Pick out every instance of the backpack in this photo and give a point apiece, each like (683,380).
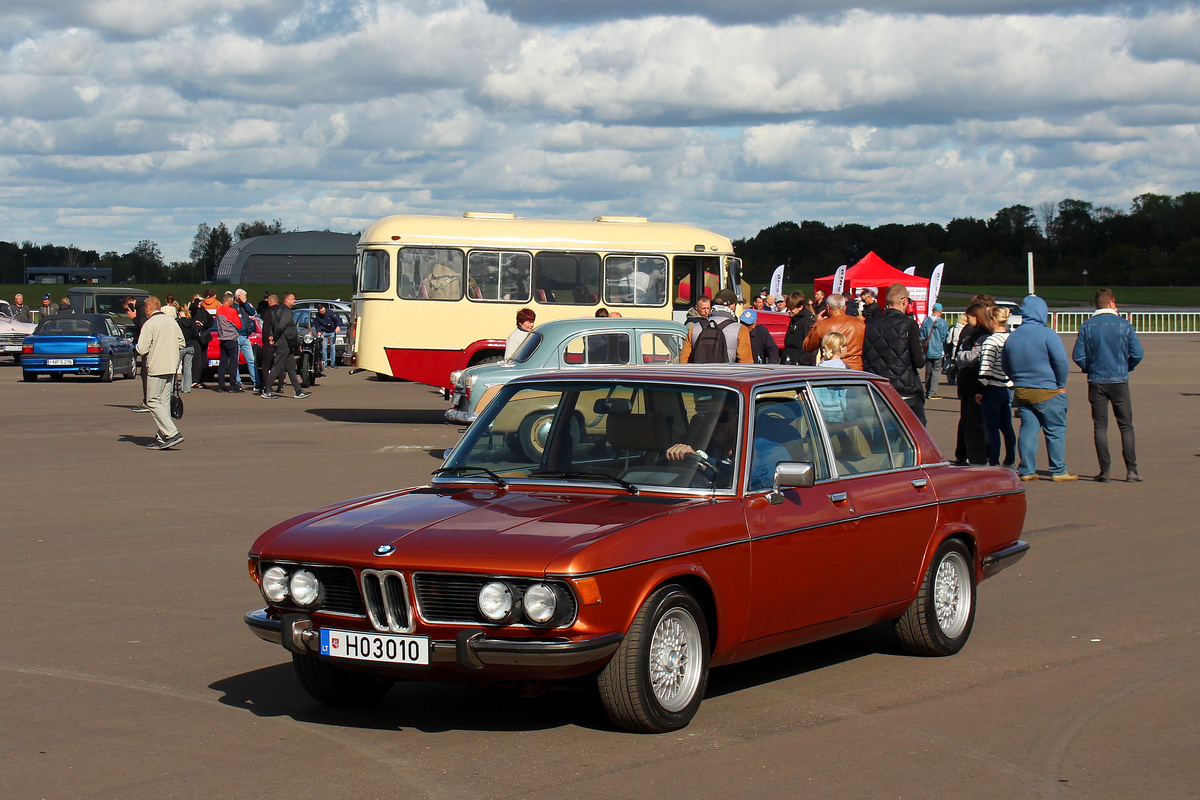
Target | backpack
(710,346)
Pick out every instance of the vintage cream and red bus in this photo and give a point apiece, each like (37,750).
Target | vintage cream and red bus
(438,294)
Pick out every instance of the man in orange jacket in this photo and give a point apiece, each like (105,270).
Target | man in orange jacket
(835,318)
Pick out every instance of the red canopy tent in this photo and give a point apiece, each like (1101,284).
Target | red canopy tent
(876,274)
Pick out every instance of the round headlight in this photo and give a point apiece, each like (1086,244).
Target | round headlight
(275,584)
(305,588)
(309,337)
(496,601)
(540,603)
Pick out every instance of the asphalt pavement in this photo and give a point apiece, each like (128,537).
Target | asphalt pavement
(128,673)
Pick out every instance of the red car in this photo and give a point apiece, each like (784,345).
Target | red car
(214,351)
(679,518)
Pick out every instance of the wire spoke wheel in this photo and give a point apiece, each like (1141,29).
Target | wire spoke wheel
(938,623)
(655,681)
(673,675)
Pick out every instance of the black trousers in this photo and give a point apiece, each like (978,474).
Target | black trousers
(199,363)
(1101,396)
(229,360)
(266,360)
(971,447)
(284,362)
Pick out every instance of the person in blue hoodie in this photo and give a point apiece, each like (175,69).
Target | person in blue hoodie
(1107,349)
(1036,361)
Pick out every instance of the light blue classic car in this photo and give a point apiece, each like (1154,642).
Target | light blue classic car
(567,344)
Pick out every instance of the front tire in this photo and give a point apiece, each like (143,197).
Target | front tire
(305,371)
(336,686)
(939,621)
(656,680)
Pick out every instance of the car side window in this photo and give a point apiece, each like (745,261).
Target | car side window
(661,348)
(903,452)
(597,348)
(784,430)
(856,434)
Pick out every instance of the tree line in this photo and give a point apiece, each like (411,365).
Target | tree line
(1155,243)
(143,263)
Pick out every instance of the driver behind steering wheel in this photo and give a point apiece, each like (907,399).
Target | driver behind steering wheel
(711,439)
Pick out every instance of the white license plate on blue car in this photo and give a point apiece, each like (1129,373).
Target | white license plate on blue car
(60,362)
(387,647)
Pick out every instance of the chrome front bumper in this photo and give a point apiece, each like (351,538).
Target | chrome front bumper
(460,417)
(471,648)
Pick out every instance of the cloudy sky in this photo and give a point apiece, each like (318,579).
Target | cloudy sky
(129,119)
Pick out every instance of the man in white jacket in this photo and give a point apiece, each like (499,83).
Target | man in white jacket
(160,343)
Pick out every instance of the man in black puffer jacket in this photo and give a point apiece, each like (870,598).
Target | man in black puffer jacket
(892,348)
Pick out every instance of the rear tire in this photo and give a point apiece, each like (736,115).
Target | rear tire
(336,686)
(26,375)
(939,621)
(656,680)
(106,372)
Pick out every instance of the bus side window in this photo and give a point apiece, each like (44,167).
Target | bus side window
(635,280)
(428,273)
(566,278)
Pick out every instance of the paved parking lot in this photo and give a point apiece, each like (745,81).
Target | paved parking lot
(127,671)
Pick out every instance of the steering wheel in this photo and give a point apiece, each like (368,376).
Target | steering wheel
(703,467)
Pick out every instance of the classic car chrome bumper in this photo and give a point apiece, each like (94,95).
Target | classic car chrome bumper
(471,649)
(1004,558)
(460,417)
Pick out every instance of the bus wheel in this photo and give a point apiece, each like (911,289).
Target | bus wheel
(492,359)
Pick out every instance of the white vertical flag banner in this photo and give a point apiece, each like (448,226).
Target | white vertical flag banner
(911,270)
(777,282)
(935,284)
(839,280)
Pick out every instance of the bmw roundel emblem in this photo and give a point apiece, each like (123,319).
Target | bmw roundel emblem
(384,549)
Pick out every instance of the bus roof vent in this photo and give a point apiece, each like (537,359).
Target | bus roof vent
(487,215)
(620,219)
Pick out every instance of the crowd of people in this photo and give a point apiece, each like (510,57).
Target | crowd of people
(173,340)
(998,373)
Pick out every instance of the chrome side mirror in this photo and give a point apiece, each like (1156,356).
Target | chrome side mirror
(792,475)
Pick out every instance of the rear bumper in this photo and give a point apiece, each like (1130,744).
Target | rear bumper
(1002,559)
(472,648)
(34,362)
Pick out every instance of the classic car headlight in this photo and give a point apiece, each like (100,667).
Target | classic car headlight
(309,337)
(541,601)
(305,588)
(496,601)
(275,584)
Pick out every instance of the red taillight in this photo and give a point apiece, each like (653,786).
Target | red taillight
(93,348)
(26,349)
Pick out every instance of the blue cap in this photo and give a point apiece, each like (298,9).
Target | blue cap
(937,306)
(749,316)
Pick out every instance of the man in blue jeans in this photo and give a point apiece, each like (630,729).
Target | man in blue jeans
(245,347)
(934,332)
(1036,361)
(1107,349)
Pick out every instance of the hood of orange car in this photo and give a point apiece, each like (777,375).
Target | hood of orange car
(517,532)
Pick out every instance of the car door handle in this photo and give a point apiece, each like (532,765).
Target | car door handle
(838,497)
(919,483)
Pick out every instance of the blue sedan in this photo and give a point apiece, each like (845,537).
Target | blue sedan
(77,344)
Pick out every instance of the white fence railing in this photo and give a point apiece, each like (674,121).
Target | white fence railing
(1143,321)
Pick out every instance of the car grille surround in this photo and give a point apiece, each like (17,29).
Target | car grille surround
(385,596)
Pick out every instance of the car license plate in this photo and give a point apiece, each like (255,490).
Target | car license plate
(375,646)
(12,348)
(212,362)
(60,362)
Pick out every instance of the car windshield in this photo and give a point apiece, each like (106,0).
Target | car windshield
(648,435)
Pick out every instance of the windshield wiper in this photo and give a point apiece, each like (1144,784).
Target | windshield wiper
(460,470)
(586,476)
